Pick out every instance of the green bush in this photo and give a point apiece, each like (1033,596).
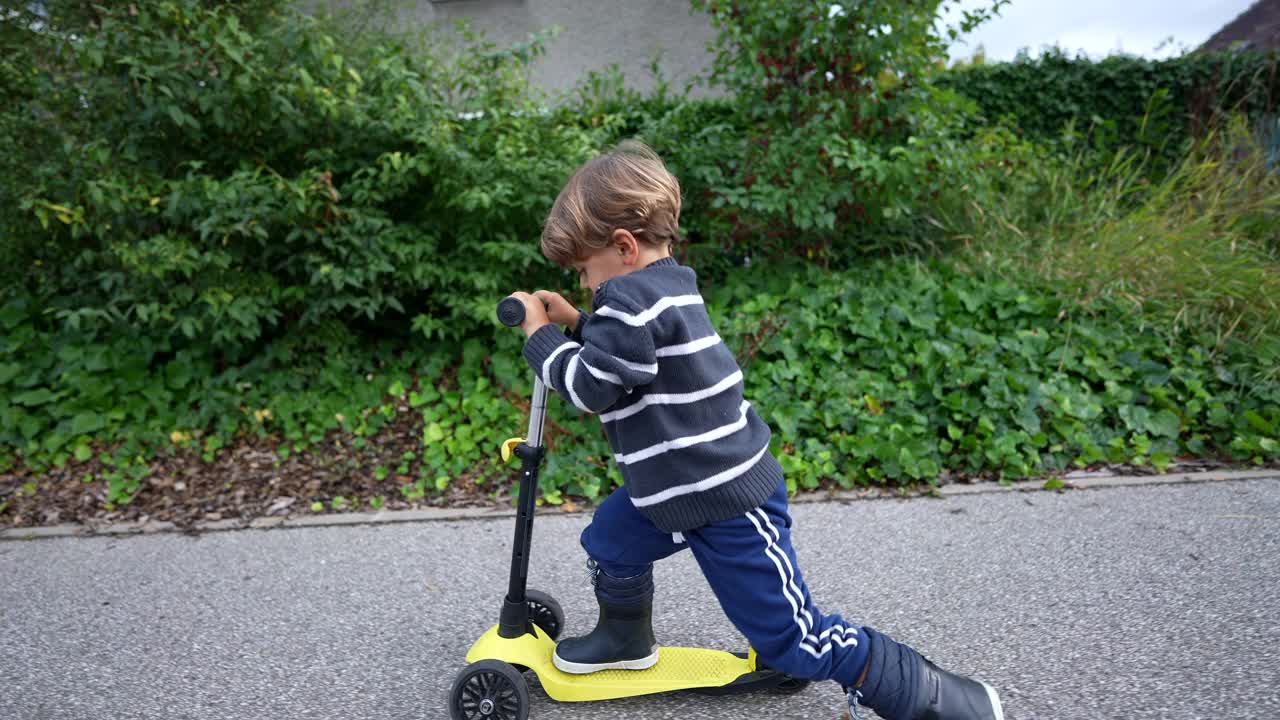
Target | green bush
(902,371)
(221,175)
(896,373)
(227,223)
(1155,105)
(214,177)
(830,142)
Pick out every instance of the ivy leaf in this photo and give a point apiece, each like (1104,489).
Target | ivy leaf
(178,375)
(8,371)
(433,433)
(1165,424)
(30,398)
(1027,418)
(87,422)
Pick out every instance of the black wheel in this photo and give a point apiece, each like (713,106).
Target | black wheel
(789,686)
(545,612)
(489,690)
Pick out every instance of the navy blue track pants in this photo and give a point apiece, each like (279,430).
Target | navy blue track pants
(752,569)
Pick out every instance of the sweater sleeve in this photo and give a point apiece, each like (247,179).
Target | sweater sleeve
(613,358)
(576,333)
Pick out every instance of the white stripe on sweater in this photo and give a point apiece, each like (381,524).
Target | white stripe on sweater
(546,364)
(568,383)
(602,374)
(713,481)
(640,319)
(650,369)
(673,398)
(610,377)
(690,347)
(686,441)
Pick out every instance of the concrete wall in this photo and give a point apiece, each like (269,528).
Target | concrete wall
(593,35)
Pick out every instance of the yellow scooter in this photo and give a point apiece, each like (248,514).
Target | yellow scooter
(492,685)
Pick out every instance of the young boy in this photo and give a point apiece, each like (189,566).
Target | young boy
(694,456)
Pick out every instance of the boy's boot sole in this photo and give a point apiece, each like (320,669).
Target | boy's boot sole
(995,700)
(574,668)
(955,696)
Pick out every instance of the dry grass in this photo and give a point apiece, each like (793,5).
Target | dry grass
(1198,250)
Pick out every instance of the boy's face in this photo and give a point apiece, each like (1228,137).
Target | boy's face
(602,265)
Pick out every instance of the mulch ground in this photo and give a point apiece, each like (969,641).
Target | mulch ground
(245,481)
(249,480)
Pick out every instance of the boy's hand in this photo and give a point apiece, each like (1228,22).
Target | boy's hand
(559,310)
(535,314)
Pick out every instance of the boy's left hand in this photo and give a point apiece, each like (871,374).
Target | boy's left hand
(535,313)
(559,310)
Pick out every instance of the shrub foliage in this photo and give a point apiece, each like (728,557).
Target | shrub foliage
(212,175)
(227,221)
(1159,105)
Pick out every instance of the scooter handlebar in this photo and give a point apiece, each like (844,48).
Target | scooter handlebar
(511,312)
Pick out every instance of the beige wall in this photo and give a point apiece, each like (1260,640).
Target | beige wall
(593,34)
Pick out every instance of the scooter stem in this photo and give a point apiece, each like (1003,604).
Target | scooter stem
(514,620)
(537,412)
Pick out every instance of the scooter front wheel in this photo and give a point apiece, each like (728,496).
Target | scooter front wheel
(489,690)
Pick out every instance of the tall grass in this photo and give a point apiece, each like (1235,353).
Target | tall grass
(1195,250)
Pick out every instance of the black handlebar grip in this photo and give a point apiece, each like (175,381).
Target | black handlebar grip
(511,312)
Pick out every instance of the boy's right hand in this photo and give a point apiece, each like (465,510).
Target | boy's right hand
(559,310)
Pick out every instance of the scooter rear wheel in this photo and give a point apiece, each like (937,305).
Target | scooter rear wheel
(790,686)
(545,612)
(489,690)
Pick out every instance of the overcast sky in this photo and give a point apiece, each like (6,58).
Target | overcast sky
(1099,27)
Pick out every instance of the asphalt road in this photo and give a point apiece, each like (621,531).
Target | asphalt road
(1147,602)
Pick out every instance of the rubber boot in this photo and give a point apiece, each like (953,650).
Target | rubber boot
(901,684)
(623,636)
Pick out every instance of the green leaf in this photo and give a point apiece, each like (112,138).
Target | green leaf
(1165,424)
(87,422)
(433,433)
(1259,423)
(1054,484)
(30,398)
(8,371)
(178,374)
(1161,460)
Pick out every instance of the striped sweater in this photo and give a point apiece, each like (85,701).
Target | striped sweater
(691,450)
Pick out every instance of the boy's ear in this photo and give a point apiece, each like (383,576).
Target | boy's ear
(626,245)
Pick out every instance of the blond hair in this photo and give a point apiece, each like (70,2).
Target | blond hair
(628,188)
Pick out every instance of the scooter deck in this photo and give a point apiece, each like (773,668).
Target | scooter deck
(678,668)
